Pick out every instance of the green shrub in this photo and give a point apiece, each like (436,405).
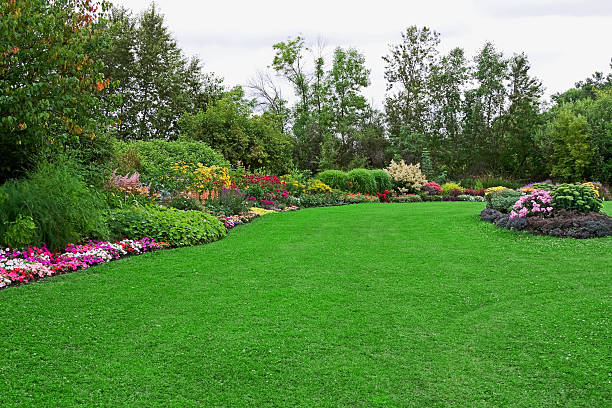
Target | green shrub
(60,204)
(20,233)
(502,200)
(156,157)
(317,200)
(185,203)
(575,197)
(231,201)
(336,179)
(448,187)
(362,181)
(383,180)
(169,225)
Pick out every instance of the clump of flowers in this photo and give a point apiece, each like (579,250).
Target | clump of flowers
(129,184)
(408,177)
(593,186)
(538,203)
(474,192)
(202,180)
(491,190)
(432,188)
(383,196)
(316,186)
(34,263)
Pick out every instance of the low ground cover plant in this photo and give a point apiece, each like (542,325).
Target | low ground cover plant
(174,227)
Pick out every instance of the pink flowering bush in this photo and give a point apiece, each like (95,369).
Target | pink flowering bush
(432,188)
(35,263)
(129,183)
(538,203)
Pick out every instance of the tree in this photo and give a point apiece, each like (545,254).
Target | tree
(229,127)
(157,81)
(484,106)
(571,153)
(408,69)
(519,156)
(448,82)
(50,79)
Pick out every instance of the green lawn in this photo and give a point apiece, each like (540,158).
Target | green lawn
(366,305)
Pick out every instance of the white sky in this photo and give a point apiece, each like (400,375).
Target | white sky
(565,40)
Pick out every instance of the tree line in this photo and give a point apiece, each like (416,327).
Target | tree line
(96,72)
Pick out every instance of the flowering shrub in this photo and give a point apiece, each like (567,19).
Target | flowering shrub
(267,183)
(205,181)
(129,184)
(35,263)
(293,185)
(432,188)
(473,198)
(383,196)
(576,197)
(407,177)
(538,203)
(316,186)
(474,192)
(495,189)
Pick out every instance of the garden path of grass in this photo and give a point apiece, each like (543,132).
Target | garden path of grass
(366,305)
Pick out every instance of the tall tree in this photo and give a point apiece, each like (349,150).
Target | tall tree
(157,81)
(484,106)
(519,156)
(407,105)
(50,79)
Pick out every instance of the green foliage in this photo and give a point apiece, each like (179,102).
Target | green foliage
(229,126)
(62,207)
(336,179)
(230,201)
(156,157)
(363,181)
(20,233)
(50,79)
(156,81)
(169,225)
(575,197)
(502,200)
(383,180)
(185,204)
(318,200)
(571,156)
(448,187)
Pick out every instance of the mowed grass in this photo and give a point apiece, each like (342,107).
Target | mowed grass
(367,305)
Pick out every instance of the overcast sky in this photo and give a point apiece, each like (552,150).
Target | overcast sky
(565,40)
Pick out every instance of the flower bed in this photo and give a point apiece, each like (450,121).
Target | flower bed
(18,267)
